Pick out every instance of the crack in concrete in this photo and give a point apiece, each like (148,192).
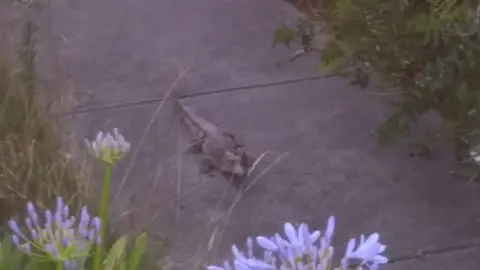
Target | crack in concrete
(422,253)
(84,109)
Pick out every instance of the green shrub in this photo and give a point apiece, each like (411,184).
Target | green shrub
(425,53)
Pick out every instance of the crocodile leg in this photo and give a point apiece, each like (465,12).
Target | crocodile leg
(207,167)
(195,147)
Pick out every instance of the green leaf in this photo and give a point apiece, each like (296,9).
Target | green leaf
(331,65)
(31,265)
(420,23)
(391,128)
(116,254)
(332,57)
(10,257)
(137,252)
(283,35)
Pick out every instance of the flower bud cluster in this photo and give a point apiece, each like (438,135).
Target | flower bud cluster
(58,237)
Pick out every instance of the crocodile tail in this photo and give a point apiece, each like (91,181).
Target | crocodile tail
(187,118)
(175,97)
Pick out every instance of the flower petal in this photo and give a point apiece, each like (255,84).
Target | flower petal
(213,267)
(14,227)
(330,229)
(290,233)
(314,236)
(303,234)
(372,239)
(226,265)
(258,264)
(238,254)
(15,239)
(380,259)
(266,243)
(350,247)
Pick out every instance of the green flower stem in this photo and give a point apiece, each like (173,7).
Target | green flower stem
(107,179)
(59,265)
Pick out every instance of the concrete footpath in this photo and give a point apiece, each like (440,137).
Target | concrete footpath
(123,55)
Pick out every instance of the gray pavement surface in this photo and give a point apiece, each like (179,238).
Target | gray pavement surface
(125,51)
(463,259)
(120,50)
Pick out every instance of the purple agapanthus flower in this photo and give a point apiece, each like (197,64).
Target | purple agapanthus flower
(368,252)
(58,237)
(302,249)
